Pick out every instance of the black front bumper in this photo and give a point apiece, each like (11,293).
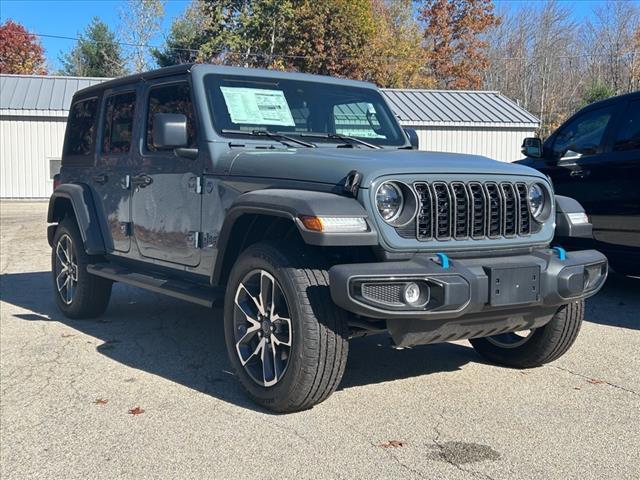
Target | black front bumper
(469,297)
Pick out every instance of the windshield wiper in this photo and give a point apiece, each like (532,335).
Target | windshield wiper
(266,133)
(337,136)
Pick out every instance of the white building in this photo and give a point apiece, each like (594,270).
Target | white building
(478,122)
(33,112)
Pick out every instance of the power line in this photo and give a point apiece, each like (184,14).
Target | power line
(291,56)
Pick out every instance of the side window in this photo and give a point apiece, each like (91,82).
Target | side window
(81,128)
(357,120)
(170,99)
(584,134)
(628,137)
(118,123)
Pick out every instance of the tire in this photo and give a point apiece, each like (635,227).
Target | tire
(310,369)
(543,345)
(86,296)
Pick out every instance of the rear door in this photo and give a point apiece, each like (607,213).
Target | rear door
(110,179)
(166,203)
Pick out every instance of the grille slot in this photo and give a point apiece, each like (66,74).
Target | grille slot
(477,210)
(510,209)
(460,210)
(424,221)
(443,210)
(494,210)
(525,221)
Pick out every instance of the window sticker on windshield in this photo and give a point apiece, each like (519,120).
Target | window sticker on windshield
(257,106)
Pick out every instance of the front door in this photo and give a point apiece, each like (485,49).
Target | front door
(166,202)
(578,167)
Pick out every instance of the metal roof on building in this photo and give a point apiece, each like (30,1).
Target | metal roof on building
(455,107)
(39,95)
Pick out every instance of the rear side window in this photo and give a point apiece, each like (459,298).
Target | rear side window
(628,137)
(81,128)
(174,98)
(118,123)
(584,133)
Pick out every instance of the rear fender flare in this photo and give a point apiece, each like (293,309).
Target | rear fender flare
(81,200)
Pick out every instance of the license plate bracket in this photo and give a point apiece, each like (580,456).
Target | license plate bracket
(514,285)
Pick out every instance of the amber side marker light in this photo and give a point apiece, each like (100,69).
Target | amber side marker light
(334,224)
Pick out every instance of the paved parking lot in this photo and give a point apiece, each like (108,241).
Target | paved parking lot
(438,411)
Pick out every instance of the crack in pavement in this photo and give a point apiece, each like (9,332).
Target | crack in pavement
(587,377)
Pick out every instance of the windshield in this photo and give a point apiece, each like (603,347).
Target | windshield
(297,108)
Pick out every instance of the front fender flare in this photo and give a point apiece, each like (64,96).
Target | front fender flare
(291,204)
(81,200)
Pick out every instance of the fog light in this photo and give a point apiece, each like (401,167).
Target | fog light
(412,293)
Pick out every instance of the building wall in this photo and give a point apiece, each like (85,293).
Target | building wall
(26,146)
(498,143)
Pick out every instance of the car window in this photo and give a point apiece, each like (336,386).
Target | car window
(584,133)
(170,99)
(358,119)
(628,137)
(118,123)
(81,128)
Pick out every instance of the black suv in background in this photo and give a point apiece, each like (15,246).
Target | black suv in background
(594,157)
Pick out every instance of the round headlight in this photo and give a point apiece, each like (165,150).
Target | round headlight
(537,201)
(389,201)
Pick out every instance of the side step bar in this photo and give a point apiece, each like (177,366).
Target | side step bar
(190,292)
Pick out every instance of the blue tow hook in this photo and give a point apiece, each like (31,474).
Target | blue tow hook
(562,253)
(444,260)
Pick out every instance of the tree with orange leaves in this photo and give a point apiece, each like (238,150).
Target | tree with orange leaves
(455,51)
(20,52)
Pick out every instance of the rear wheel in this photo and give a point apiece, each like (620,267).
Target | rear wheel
(78,294)
(286,339)
(532,348)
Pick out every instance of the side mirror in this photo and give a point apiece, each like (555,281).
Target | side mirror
(413,137)
(170,130)
(532,147)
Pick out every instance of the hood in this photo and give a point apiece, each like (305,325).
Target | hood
(331,165)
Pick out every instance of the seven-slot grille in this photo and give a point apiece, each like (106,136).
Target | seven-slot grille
(462,210)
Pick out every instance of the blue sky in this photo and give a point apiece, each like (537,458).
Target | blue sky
(69,17)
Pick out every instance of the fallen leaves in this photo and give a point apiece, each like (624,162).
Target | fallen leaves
(595,381)
(392,444)
(136,411)
(101,401)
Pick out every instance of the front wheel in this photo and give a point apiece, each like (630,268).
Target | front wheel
(78,293)
(286,340)
(534,347)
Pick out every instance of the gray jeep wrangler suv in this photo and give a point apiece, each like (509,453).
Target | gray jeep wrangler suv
(299,202)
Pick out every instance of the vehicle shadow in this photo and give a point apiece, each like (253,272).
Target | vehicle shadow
(184,343)
(617,304)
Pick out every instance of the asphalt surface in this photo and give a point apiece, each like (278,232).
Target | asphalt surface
(435,411)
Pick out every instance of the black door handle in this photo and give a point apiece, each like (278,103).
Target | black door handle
(141,180)
(580,173)
(100,179)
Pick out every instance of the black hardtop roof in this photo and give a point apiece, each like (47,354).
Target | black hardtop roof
(611,100)
(188,67)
